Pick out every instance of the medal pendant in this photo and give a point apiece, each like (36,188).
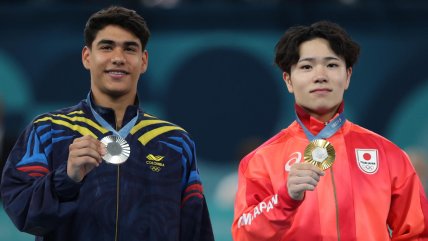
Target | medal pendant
(320,153)
(118,149)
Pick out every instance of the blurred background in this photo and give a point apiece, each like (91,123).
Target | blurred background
(211,71)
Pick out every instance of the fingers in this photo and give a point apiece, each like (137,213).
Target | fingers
(85,153)
(306,168)
(303,177)
(87,146)
(296,180)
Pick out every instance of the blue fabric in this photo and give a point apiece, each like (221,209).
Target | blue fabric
(155,202)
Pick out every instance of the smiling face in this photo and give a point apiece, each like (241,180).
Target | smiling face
(319,79)
(115,60)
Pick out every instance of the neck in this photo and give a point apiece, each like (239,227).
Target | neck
(118,104)
(323,116)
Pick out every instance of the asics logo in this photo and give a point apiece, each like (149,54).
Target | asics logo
(295,157)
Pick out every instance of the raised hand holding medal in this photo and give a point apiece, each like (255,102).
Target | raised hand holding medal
(320,153)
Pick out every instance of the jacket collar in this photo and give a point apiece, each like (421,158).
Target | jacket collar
(108,113)
(311,123)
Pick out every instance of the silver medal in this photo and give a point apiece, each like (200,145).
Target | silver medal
(118,149)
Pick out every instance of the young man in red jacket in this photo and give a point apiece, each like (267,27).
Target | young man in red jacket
(324,177)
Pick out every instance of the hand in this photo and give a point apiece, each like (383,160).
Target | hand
(84,155)
(302,177)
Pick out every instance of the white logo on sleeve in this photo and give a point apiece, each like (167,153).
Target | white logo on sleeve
(367,160)
(295,157)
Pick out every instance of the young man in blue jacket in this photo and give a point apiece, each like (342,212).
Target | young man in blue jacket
(104,169)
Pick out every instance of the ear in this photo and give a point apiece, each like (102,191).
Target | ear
(144,62)
(86,53)
(287,79)
(348,77)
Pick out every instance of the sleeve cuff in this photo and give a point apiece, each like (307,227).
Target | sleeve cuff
(65,188)
(289,203)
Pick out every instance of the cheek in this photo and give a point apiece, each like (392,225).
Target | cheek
(99,60)
(299,88)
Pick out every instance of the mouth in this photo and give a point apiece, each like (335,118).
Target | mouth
(321,90)
(116,73)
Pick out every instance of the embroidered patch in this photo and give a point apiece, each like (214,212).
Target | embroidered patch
(367,160)
(155,162)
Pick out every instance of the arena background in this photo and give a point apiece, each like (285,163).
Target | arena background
(211,71)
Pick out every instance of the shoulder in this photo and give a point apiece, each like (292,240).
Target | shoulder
(55,117)
(75,120)
(272,145)
(58,114)
(361,134)
(363,139)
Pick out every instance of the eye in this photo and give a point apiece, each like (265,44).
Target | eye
(306,67)
(332,65)
(131,49)
(106,47)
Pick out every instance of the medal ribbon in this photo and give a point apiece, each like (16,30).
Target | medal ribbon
(327,131)
(123,132)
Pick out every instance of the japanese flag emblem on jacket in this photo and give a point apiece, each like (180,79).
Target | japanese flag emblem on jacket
(367,160)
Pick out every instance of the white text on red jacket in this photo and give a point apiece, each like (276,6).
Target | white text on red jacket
(264,206)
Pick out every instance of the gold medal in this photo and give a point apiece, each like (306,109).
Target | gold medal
(320,153)
(118,149)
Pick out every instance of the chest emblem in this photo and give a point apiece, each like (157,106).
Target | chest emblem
(294,157)
(367,160)
(155,162)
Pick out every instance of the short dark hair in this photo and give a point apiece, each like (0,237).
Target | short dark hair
(120,16)
(287,48)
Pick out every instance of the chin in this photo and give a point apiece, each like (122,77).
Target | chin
(116,93)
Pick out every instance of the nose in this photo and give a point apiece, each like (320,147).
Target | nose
(320,74)
(118,58)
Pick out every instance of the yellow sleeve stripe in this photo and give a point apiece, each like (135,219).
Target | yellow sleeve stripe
(75,118)
(144,139)
(82,130)
(145,123)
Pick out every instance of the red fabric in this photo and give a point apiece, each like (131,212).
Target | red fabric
(367,203)
(33,169)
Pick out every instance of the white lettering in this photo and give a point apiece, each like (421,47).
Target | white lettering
(247,218)
(256,212)
(275,199)
(262,206)
(269,207)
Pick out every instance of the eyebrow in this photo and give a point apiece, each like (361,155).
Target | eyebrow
(111,42)
(311,59)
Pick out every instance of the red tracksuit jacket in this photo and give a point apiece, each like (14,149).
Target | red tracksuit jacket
(371,191)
